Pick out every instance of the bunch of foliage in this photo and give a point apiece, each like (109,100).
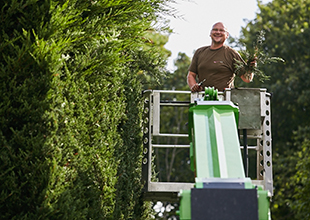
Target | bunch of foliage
(70,134)
(255,54)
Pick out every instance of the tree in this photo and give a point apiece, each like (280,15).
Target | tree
(173,120)
(70,106)
(286,24)
(301,203)
(173,164)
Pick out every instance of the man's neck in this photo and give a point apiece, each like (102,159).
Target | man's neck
(215,46)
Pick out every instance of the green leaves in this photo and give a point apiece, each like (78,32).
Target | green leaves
(255,54)
(286,36)
(70,133)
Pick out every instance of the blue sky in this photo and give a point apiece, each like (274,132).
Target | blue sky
(193,31)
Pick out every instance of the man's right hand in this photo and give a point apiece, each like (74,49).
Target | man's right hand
(191,82)
(196,88)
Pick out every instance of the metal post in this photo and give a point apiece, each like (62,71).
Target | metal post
(245,153)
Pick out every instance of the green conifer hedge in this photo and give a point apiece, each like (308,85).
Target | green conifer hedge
(70,108)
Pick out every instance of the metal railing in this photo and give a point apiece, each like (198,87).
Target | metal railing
(257,126)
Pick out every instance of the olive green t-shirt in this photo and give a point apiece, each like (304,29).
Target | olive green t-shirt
(216,66)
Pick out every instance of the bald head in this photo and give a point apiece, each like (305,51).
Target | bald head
(220,24)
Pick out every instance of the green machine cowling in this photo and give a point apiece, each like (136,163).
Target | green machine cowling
(221,189)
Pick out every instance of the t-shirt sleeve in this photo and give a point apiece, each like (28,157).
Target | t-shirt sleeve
(193,66)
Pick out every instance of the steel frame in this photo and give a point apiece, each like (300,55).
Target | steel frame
(168,191)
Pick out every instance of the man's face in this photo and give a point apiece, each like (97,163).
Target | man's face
(218,33)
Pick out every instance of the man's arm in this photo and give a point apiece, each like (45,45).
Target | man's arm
(191,82)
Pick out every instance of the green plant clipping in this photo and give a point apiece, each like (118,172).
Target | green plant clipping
(255,54)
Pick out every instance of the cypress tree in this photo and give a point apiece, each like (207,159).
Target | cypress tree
(70,107)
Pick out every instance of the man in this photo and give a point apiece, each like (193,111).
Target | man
(214,65)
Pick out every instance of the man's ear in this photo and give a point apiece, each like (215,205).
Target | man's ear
(227,35)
